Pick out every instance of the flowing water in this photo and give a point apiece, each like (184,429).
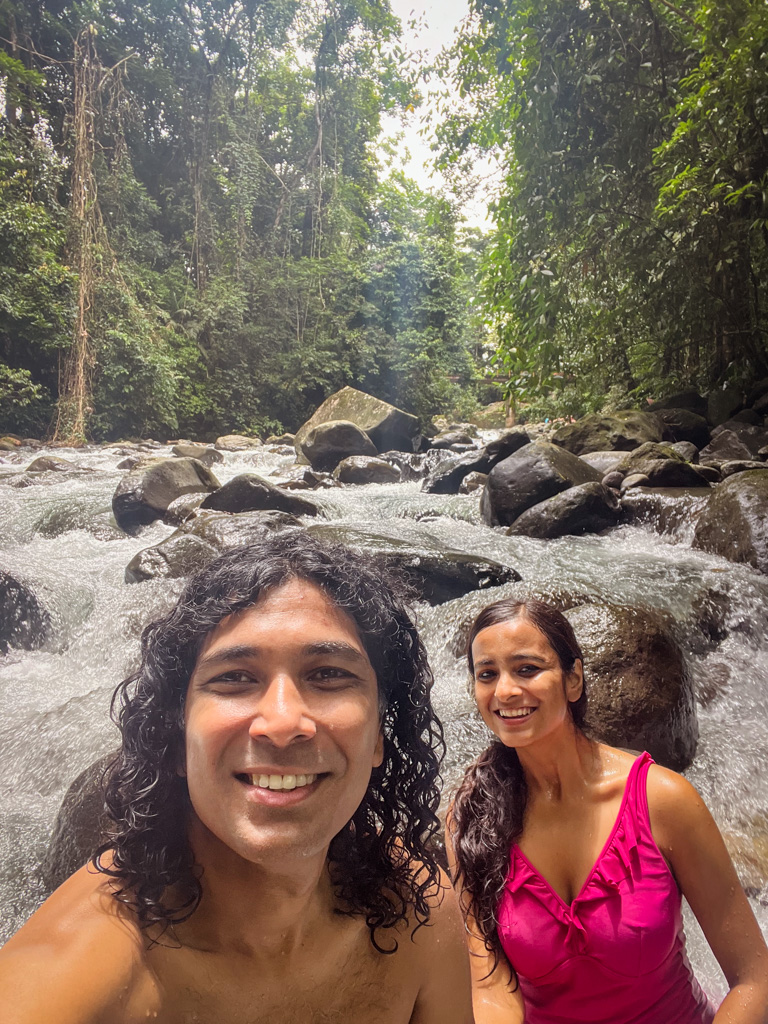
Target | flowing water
(56,534)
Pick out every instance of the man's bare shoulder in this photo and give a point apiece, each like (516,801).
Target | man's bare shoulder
(78,959)
(443,962)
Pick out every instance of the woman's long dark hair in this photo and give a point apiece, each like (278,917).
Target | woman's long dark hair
(383,863)
(488,810)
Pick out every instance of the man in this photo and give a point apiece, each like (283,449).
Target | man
(272,805)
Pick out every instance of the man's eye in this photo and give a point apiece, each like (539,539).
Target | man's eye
(330,673)
(233,679)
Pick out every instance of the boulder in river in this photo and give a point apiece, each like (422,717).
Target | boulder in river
(665,511)
(538,471)
(619,431)
(440,570)
(362,469)
(447,475)
(586,508)
(324,446)
(725,446)
(722,404)
(640,693)
(448,438)
(662,464)
(386,425)
(603,462)
(250,492)
(236,443)
(734,523)
(80,825)
(52,464)
(144,493)
(682,425)
(200,539)
(24,620)
(690,400)
(472,482)
(202,452)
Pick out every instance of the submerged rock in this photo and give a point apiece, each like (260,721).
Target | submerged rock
(24,620)
(386,425)
(447,475)
(640,693)
(665,511)
(200,540)
(53,464)
(586,508)
(250,492)
(538,471)
(201,452)
(80,825)
(734,523)
(326,445)
(439,570)
(621,431)
(144,494)
(360,469)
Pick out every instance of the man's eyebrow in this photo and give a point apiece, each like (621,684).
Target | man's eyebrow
(240,652)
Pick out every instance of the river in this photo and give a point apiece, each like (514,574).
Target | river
(57,535)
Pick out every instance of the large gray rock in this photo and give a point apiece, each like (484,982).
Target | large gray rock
(236,443)
(361,469)
(734,523)
(24,621)
(640,693)
(752,436)
(447,475)
(250,492)
(439,569)
(200,539)
(201,452)
(386,425)
(662,464)
(52,464)
(619,431)
(586,508)
(326,445)
(603,462)
(144,494)
(724,447)
(538,471)
(80,825)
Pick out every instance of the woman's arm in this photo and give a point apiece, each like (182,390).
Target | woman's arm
(691,842)
(493,998)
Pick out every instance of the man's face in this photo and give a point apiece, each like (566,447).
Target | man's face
(281,726)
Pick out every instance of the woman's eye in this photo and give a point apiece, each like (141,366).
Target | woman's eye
(485,676)
(527,670)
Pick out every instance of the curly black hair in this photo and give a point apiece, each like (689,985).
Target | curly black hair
(383,862)
(488,811)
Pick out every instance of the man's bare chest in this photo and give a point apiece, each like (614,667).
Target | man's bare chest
(357,985)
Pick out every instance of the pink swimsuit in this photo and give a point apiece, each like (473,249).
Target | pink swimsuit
(616,955)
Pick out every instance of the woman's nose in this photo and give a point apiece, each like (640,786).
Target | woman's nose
(507,686)
(282,716)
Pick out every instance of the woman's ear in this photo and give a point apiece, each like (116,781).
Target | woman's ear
(574,681)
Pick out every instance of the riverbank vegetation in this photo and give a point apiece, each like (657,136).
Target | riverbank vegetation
(198,233)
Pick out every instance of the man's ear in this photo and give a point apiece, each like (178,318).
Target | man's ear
(378,753)
(574,681)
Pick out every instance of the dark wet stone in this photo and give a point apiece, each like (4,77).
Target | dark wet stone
(144,494)
(640,693)
(537,471)
(249,492)
(359,469)
(734,523)
(586,508)
(722,404)
(80,825)
(667,510)
(472,482)
(447,475)
(327,444)
(682,425)
(24,621)
(690,400)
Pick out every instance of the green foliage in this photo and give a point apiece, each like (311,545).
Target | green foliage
(630,240)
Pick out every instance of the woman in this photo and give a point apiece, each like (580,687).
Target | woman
(571,856)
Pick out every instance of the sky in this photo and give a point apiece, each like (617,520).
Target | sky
(437,23)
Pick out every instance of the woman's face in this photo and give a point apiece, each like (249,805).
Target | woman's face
(522,692)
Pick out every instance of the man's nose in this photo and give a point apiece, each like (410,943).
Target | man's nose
(282,716)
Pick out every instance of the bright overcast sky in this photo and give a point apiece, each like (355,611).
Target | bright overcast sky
(437,25)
